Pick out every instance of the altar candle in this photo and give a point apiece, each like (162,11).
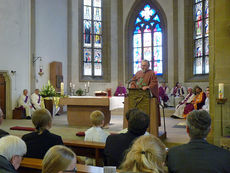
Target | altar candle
(88,83)
(62,88)
(221,90)
(85,85)
(70,85)
(73,86)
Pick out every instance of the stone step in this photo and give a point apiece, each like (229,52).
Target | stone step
(168,111)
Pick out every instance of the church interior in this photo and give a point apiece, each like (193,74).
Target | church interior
(87,46)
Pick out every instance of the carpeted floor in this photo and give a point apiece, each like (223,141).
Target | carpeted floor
(60,126)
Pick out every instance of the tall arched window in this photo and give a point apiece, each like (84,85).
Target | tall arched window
(201,39)
(148,40)
(92,38)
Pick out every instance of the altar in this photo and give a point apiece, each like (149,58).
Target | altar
(80,107)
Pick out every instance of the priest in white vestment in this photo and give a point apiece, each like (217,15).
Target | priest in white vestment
(178,93)
(206,106)
(180,107)
(24,102)
(36,100)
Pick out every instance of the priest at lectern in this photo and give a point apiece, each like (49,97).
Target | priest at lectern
(145,79)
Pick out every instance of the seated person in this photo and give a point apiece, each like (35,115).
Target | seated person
(59,159)
(95,133)
(147,154)
(2,132)
(163,94)
(12,149)
(39,142)
(206,105)
(24,102)
(180,107)
(177,94)
(198,156)
(36,100)
(117,144)
(121,90)
(197,102)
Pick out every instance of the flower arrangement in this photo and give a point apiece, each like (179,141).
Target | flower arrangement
(79,92)
(48,90)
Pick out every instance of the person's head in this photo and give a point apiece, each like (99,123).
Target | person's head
(198,124)
(189,90)
(42,120)
(138,121)
(207,92)
(163,84)
(13,148)
(25,92)
(59,159)
(197,90)
(97,118)
(176,85)
(147,154)
(121,84)
(145,65)
(36,91)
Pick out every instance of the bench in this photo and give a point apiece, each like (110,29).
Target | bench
(32,165)
(88,149)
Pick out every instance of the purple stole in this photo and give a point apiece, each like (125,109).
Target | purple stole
(39,98)
(185,100)
(26,99)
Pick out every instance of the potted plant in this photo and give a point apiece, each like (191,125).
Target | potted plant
(79,92)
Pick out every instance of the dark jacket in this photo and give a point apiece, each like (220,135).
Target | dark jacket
(198,156)
(115,147)
(38,145)
(6,166)
(3,133)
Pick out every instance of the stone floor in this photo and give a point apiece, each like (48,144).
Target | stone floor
(60,126)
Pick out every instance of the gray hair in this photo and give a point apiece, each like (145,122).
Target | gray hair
(11,146)
(145,60)
(198,123)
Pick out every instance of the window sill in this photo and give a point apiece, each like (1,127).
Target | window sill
(199,78)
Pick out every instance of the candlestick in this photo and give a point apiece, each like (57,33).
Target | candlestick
(85,85)
(73,86)
(70,85)
(88,83)
(221,90)
(62,88)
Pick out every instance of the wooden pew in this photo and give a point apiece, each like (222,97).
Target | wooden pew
(88,149)
(31,165)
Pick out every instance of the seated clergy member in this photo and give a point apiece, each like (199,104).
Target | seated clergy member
(198,155)
(36,100)
(163,94)
(2,132)
(39,142)
(206,105)
(177,94)
(24,102)
(59,159)
(197,102)
(95,133)
(147,154)
(121,90)
(12,149)
(180,107)
(117,144)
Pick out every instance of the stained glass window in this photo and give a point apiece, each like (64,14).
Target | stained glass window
(147,40)
(201,39)
(92,38)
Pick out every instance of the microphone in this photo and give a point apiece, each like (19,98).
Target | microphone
(132,80)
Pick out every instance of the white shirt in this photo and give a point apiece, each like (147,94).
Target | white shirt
(21,101)
(96,134)
(206,106)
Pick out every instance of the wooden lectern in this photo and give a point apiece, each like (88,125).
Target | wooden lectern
(142,100)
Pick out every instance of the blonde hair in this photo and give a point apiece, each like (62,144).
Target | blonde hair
(57,158)
(147,154)
(41,118)
(97,117)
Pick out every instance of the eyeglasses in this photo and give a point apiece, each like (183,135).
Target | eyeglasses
(73,170)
